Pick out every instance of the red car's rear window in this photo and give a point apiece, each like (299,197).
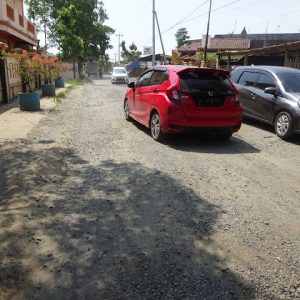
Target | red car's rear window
(198,81)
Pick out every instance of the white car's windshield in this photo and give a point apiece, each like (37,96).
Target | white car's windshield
(119,71)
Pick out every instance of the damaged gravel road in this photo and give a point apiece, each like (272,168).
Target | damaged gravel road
(92,208)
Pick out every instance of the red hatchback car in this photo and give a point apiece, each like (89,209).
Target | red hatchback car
(177,98)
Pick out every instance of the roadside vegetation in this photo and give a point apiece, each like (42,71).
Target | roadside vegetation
(69,85)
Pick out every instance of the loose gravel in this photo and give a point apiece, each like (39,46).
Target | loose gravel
(92,208)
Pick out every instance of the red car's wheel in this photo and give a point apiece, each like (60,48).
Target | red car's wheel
(155,127)
(126,111)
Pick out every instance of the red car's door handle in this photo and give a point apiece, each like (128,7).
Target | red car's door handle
(155,91)
(140,93)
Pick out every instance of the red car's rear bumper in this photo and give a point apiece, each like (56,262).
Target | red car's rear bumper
(176,122)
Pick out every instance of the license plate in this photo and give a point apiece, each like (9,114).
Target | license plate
(210,101)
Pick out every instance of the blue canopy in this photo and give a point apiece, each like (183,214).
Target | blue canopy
(134,64)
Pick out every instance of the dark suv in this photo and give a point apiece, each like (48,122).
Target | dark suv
(271,95)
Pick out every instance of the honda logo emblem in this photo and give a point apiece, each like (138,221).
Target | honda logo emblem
(210,93)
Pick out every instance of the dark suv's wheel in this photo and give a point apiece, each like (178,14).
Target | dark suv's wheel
(284,125)
(126,111)
(155,127)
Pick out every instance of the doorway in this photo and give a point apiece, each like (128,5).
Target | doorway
(3,90)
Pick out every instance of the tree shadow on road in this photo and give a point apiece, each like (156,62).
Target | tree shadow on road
(70,230)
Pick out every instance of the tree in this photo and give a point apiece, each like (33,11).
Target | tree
(105,63)
(38,10)
(75,25)
(181,36)
(131,54)
(70,42)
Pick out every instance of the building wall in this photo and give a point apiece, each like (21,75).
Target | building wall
(69,73)
(3,40)
(14,26)
(11,44)
(18,4)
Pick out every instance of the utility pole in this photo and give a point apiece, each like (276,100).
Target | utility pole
(119,43)
(207,32)
(45,32)
(153,33)
(161,41)
(234,27)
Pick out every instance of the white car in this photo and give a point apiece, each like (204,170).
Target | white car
(119,75)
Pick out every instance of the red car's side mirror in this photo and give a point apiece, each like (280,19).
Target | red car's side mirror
(131,85)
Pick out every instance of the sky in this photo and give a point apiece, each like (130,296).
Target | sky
(133,19)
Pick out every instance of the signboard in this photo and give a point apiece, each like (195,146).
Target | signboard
(147,51)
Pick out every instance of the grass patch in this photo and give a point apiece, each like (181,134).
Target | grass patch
(69,84)
(74,82)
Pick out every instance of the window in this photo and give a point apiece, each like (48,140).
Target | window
(248,78)
(265,81)
(197,81)
(144,79)
(165,77)
(156,78)
(119,70)
(235,74)
(290,81)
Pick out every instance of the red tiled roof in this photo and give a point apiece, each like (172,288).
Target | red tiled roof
(229,43)
(192,47)
(218,44)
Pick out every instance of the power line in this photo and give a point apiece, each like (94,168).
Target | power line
(213,10)
(204,14)
(181,21)
(277,17)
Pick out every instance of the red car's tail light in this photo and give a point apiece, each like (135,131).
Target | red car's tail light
(173,94)
(236,98)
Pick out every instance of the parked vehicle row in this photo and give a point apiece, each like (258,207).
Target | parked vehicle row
(170,99)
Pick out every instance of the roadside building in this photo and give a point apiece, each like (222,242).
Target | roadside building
(16,32)
(232,49)
(146,60)
(286,55)
(191,52)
